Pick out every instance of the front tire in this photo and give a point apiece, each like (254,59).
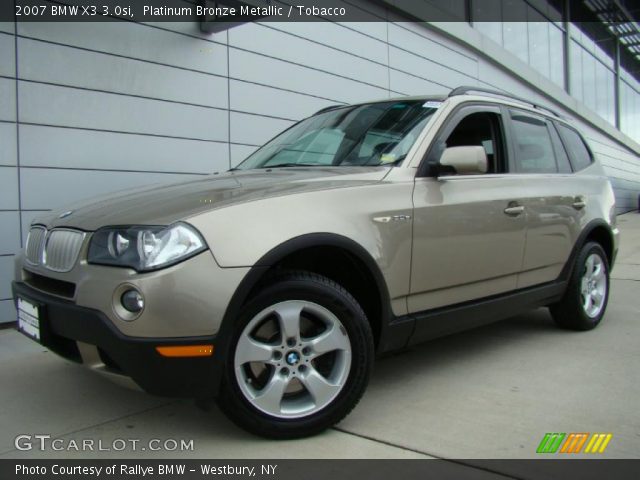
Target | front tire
(585,301)
(299,360)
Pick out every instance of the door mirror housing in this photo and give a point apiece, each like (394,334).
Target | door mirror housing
(466,160)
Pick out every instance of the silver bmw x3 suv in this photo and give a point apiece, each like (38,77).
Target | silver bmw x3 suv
(360,230)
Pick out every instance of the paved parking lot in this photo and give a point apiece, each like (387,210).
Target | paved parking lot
(488,393)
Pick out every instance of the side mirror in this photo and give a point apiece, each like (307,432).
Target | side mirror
(464,160)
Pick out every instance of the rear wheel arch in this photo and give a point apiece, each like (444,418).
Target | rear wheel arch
(584,302)
(597,231)
(602,235)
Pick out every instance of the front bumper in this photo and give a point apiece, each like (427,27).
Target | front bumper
(87,336)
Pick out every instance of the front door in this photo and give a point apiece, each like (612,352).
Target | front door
(469,230)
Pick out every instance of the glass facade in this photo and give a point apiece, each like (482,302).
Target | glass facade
(538,39)
(592,73)
(629,105)
(531,37)
(539,44)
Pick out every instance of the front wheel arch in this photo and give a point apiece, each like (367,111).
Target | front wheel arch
(264,267)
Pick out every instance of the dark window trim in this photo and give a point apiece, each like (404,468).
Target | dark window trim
(558,144)
(508,132)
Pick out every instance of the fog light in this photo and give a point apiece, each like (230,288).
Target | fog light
(132,301)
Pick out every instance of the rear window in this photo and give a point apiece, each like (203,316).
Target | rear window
(577,149)
(534,150)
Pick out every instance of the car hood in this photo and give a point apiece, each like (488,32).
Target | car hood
(165,204)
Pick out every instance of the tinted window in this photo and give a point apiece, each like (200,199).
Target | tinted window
(578,151)
(561,154)
(480,129)
(534,150)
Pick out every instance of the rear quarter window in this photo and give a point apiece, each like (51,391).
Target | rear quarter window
(564,166)
(576,147)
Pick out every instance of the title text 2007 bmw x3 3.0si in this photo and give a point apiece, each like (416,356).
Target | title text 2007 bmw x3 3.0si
(360,230)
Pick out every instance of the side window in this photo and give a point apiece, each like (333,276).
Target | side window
(481,129)
(532,143)
(564,166)
(577,149)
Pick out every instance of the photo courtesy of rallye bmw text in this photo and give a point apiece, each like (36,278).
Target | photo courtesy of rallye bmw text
(319,239)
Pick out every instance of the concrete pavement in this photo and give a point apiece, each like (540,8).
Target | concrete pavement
(488,393)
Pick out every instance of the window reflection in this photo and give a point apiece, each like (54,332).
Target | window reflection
(630,106)
(533,32)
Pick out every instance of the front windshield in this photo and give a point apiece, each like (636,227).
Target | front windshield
(372,134)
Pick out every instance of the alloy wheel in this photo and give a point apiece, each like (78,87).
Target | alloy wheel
(593,285)
(292,359)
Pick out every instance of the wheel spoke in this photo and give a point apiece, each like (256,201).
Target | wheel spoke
(597,297)
(251,350)
(332,339)
(589,267)
(289,320)
(598,273)
(270,397)
(320,388)
(587,303)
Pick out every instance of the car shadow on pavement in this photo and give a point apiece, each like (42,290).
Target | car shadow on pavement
(468,346)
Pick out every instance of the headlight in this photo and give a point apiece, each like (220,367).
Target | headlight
(144,248)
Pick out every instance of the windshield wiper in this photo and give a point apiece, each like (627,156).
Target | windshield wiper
(279,165)
(391,164)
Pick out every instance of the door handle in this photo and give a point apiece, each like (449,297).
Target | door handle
(579,202)
(514,210)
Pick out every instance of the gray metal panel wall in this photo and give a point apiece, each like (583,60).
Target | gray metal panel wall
(9,195)
(105,106)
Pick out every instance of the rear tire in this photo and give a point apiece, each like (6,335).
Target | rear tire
(585,301)
(300,358)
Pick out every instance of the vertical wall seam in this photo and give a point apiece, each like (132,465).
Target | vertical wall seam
(228,101)
(18,170)
(388,55)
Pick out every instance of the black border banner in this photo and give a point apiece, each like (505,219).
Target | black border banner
(118,469)
(241,11)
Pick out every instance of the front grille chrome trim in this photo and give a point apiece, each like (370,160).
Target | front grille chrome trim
(35,243)
(56,249)
(61,249)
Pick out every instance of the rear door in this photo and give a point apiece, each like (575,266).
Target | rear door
(550,193)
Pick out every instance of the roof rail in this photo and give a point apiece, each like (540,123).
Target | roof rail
(465,89)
